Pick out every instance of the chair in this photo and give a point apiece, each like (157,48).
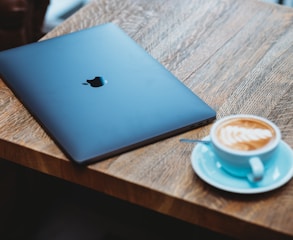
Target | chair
(21,21)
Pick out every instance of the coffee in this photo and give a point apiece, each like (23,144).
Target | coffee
(245,145)
(245,134)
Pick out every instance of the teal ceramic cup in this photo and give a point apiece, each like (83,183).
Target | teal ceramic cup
(245,145)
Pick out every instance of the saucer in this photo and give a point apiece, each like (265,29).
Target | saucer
(206,165)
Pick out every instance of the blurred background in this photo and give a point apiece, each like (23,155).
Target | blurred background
(58,10)
(26,21)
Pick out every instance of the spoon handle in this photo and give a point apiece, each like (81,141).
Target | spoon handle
(194,141)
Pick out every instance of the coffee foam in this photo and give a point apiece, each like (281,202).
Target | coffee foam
(245,134)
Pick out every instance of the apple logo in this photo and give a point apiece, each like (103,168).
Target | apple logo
(96,82)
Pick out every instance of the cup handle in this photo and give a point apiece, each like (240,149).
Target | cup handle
(257,168)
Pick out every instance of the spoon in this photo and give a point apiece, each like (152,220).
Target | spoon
(194,141)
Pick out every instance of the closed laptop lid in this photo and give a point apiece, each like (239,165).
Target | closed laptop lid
(97,93)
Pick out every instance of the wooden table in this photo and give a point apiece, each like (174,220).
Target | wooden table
(237,56)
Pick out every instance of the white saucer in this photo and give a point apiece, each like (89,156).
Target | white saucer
(206,166)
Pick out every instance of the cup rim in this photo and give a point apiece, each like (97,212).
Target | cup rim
(260,151)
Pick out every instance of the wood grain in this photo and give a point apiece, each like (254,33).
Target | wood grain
(236,55)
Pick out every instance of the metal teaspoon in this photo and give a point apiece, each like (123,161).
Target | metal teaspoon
(194,141)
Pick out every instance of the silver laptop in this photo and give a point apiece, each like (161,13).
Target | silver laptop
(98,94)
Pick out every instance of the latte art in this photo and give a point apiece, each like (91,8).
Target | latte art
(245,135)
(244,139)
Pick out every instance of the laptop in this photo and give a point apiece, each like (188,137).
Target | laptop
(97,93)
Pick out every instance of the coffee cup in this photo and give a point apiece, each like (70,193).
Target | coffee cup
(245,145)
